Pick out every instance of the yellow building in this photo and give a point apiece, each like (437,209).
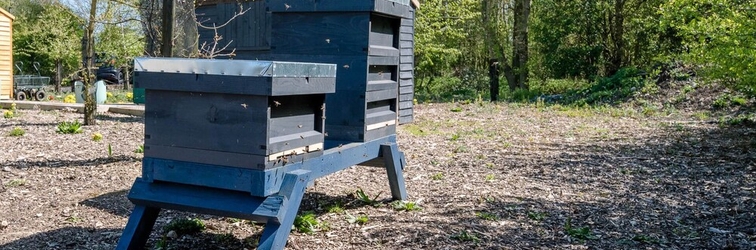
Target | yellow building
(6,54)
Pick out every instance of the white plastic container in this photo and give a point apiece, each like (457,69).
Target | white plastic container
(101,93)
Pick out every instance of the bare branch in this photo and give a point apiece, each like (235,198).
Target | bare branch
(242,11)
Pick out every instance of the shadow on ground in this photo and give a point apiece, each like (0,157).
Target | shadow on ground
(115,203)
(66,163)
(72,238)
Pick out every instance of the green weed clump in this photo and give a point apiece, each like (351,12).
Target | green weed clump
(580,233)
(360,219)
(466,236)
(69,127)
(405,206)
(17,132)
(308,223)
(364,198)
(97,137)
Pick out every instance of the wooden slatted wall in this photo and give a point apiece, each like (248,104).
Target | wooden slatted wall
(6,55)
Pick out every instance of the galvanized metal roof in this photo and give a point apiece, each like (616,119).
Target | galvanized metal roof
(234,67)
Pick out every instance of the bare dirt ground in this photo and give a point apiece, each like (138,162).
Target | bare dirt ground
(487,176)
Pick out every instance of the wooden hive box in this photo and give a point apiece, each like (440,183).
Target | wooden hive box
(238,113)
(370,41)
(363,39)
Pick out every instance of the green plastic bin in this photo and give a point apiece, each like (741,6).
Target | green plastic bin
(139,95)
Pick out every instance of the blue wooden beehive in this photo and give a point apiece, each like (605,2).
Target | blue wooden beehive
(370,41)
(248,114)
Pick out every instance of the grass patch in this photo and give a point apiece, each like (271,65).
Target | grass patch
(139,150)
(437,176)
(415,130)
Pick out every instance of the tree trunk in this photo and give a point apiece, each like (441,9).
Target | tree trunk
(90,106)
(126,76)
(166,41)
(615,49)
(520,43)
(58,74)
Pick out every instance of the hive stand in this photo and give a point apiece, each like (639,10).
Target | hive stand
(270,196)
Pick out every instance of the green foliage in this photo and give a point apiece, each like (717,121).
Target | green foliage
(306,223)
(184,226)
(490,177)
(364,198)
(415,130)
(443,39)
(17,132)
(139,150)
(642,238)
(727,100)
(120,40)
(580,233)
(718,34)
(741,119)
(335,208)
(487,216)
(97,137)
(360,219)
(16,183)
(110,150)
(69,127)
(46,33)
(466,236)
(120,97)
(405,206)
(8,114)
(536,216)
(437,176)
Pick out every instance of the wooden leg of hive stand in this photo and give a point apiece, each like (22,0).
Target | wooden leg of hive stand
(138,229)
(394,165)
(292,189)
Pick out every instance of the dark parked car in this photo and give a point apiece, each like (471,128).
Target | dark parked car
(110,74)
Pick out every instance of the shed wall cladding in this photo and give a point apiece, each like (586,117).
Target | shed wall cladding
(248,32)
(6,56)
